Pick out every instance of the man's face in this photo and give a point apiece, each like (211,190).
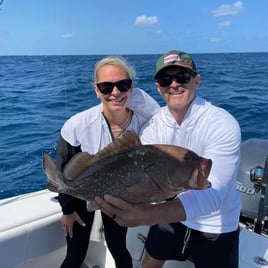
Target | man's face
(177,86)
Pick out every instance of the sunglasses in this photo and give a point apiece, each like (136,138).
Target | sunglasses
(180,77)
(107,87)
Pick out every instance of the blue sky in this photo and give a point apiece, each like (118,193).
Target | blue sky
(90,27)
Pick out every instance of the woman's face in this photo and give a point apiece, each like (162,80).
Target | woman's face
(116,100)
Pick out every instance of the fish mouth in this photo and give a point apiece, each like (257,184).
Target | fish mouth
(203,173)
(205,166)
(198,179)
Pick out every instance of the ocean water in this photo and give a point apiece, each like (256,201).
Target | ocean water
(38,93)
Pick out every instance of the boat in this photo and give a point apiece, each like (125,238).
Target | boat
(31,235)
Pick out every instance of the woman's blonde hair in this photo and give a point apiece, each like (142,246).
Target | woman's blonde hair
(117,61)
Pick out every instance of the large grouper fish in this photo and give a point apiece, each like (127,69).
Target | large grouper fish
(131,171)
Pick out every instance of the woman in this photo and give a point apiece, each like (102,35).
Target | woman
(122,108)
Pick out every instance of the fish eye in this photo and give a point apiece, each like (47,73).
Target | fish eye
(187,157)
(190,157)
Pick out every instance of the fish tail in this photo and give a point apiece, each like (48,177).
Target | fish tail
(54,175)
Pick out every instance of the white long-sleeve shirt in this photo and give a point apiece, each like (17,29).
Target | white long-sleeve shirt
(212,133)
(90,131)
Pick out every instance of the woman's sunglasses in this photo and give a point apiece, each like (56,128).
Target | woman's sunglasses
(107,87)
(180,77)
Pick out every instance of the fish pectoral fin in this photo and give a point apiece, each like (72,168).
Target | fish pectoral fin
(77,165)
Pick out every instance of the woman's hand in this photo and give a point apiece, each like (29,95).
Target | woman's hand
(67,222)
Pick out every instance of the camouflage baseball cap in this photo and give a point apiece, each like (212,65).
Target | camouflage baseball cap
(175,58)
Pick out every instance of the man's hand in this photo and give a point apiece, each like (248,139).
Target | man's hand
(124,213)
(130,215)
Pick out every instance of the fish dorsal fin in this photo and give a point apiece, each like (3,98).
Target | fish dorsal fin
(77,165)
(125,142)
(82,161)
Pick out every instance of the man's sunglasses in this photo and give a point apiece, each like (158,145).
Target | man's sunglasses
(107,87)
(180,77)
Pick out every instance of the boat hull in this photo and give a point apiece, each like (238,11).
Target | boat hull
(31,236)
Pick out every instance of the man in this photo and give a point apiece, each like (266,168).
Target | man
(200,224)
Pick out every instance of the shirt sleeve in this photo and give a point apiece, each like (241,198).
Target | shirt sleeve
(142,103)
(223,147)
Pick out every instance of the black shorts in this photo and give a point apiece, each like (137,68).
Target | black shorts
(206,250)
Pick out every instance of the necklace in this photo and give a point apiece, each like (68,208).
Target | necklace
(117,130)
